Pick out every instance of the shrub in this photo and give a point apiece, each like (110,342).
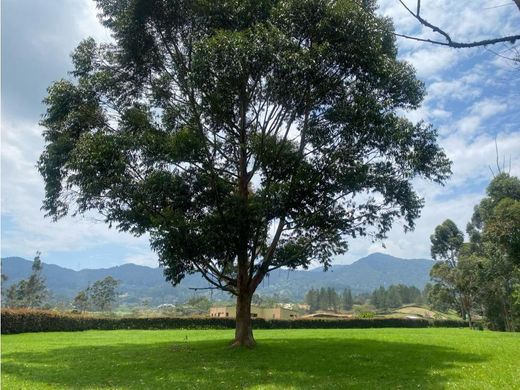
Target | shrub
(24,320)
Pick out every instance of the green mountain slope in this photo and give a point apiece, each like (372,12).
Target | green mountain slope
(140,283)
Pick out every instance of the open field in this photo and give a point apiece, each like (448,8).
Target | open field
(284,359)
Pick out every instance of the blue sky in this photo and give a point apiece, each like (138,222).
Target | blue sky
(473,99)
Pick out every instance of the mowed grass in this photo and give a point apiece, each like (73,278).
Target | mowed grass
(283,359)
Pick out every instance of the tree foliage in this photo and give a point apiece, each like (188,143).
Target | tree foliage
(452,274)
(241,136)
(395,296)
(494,238)
(81,301)
(328,299)
(486,277)
(346,299)
(446,242)
(30,292)
(102,294)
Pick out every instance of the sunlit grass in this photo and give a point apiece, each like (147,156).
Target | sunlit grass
(284,359)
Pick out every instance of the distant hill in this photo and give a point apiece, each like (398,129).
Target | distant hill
(140,283)
(364,275)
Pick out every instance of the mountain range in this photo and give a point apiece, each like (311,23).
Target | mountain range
(139,283)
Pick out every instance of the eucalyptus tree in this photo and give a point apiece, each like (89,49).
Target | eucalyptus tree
(31,292)
(447,241)
(494,233)
(242,136)
(102,294)
(447,248)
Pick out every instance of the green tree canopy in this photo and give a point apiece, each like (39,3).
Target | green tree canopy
(486,274)
(494,234)
(446,242)
(31,292)
(242,136)
(81,301)
(102,294)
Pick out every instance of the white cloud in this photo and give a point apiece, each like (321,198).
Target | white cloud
(464,88)
(143,258)
(430,61)
(472,159)
(478,113)
(22,195)
(488,107)
(88,23)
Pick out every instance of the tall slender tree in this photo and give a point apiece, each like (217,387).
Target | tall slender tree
(242,136)
(346,299)
(81,301)
(494,240)
(447,244)
(30,292)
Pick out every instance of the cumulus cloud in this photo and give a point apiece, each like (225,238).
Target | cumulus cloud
(143,258)
(22,194)
(430,61)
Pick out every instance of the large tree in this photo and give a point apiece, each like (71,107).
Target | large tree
(484,273)
(453,272)
(494,238)
(242,136)
(102,294)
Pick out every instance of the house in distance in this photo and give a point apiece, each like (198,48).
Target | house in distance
(267,313)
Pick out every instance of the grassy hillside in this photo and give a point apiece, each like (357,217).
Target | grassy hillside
(284,359)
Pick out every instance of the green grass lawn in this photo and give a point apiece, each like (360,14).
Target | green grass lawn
(283,359)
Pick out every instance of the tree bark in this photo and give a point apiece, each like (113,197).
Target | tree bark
(244,326)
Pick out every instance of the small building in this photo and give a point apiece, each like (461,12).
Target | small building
(267,313)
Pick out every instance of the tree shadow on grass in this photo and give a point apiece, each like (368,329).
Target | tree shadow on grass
(274,364)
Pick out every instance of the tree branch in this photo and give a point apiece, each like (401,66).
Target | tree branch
(449,41)
(204,288)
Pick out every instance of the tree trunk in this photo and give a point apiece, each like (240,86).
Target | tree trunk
(244,326)
(467,310)
(507,319)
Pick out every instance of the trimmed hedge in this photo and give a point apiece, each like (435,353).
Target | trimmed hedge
(23,320)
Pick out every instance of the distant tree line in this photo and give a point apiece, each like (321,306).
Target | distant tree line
(329,299)
(382,298)
(398,295)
